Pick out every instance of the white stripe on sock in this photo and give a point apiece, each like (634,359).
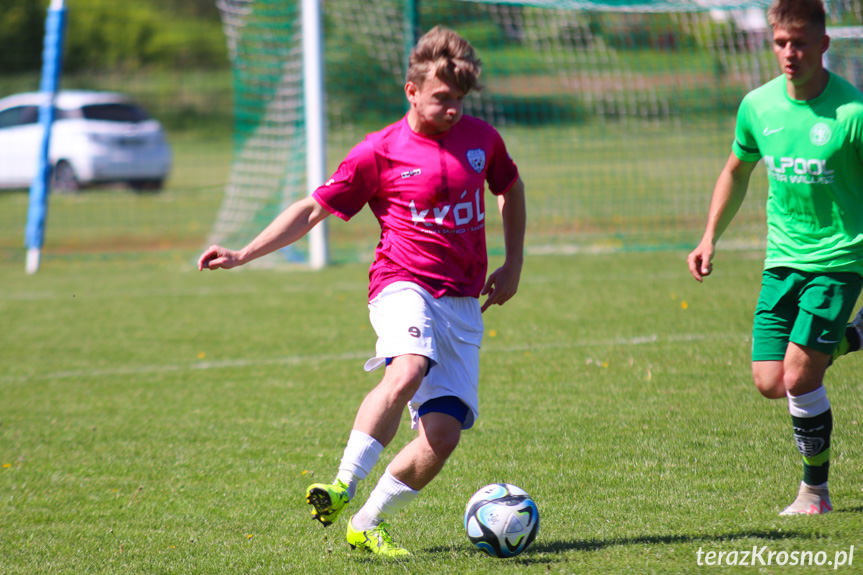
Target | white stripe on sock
(809,404)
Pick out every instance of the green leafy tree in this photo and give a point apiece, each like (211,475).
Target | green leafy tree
(22,24)
(107,34)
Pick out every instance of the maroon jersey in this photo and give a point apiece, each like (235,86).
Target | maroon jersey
(428,194)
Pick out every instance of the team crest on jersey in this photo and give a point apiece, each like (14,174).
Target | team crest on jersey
(820,134)
(476,158)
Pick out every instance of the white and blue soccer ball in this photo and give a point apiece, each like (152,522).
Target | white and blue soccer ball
(501,519)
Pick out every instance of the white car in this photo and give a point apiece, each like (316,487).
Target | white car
(97,137)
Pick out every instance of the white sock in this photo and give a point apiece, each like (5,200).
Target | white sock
(388,497)
(809,404)
(361,454)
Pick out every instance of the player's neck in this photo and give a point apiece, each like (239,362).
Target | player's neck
(810,89)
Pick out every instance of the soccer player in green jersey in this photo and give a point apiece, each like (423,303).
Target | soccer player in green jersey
(807,125)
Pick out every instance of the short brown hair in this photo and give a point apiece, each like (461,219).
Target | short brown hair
(451,57)
(797,14)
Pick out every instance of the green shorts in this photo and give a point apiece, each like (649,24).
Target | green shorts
(806,308)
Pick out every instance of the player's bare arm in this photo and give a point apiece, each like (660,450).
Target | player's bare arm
(728,195)
(502,284)
(291,225)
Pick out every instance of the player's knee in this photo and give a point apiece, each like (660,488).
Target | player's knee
(443,441)
(771,391)
(769,383)
(403,379)
(798,382)
(400,389)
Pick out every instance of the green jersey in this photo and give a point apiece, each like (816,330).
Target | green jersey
(813,152)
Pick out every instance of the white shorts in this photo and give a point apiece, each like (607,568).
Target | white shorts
(448,331)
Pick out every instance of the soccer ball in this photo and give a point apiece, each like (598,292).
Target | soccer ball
(501,519)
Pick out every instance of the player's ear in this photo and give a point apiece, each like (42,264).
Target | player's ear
(411,90)
(825,43)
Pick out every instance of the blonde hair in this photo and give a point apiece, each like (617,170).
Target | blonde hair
(451,57)
(797,14)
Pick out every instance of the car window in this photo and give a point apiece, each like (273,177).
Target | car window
(19,116)
(114,113)
(61,114)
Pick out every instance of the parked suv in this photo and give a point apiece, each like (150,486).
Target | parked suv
(97,137)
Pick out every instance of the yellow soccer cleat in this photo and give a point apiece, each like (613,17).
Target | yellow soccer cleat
(327,501)
(377,541)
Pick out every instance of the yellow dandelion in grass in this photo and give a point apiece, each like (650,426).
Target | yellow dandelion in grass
(305,471)
(201,355)
(7,465)
(249,536)
(492,333)
(684,305)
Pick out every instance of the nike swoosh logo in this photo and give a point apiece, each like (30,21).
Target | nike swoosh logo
(768,131)
(826,341)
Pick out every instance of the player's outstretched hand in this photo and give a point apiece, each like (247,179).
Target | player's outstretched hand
(700,261)
(215,257)
(501,285)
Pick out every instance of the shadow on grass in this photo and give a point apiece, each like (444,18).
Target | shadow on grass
(561,546)
(857,509)
(597,544)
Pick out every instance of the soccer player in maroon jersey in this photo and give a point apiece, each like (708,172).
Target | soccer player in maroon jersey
(424,179)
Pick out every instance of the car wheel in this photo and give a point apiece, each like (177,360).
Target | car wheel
(146,185)
(64,179)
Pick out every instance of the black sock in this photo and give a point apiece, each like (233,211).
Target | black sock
(853,337)
(813,440)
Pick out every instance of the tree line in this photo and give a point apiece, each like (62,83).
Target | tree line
(115,34)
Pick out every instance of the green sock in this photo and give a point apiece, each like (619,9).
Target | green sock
(813,440)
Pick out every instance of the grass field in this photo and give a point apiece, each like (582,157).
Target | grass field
(159,420)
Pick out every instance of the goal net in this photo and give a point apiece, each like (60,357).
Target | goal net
(845,56)
(620,114)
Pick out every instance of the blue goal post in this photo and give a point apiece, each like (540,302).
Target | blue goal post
(52,63)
